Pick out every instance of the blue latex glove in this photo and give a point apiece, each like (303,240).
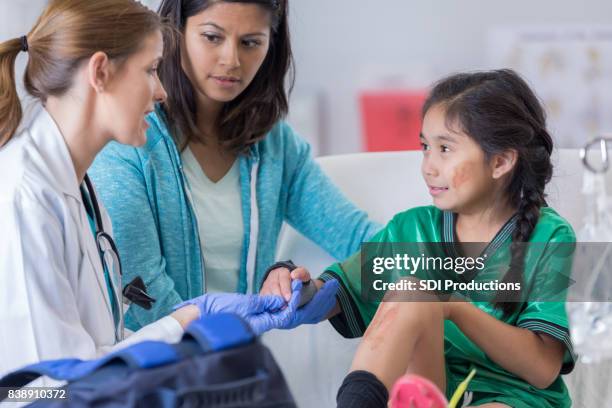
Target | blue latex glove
(256,310)
(312,312)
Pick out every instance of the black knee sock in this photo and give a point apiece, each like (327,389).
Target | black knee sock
(362,389)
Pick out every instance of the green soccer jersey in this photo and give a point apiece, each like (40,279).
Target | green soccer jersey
(547,268)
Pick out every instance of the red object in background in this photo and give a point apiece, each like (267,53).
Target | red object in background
(391,120)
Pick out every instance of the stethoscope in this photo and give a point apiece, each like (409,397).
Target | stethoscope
(135,291)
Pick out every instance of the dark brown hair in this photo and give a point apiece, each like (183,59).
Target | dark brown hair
(250,116)
(499,111)
(67,33)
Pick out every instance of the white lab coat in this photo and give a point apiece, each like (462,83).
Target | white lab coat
(54,301)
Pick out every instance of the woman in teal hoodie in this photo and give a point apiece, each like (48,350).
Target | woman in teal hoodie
(199,207)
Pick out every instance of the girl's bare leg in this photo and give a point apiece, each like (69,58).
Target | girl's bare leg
(404,337)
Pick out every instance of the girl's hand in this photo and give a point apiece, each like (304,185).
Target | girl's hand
(279,280)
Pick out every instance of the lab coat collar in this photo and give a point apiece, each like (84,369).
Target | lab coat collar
(54,153)
(52,146)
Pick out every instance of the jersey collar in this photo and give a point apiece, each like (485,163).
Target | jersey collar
(449,234)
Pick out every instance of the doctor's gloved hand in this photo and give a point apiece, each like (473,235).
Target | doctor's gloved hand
(256,310)
(312,312)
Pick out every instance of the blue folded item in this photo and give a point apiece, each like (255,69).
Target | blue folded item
(218,363)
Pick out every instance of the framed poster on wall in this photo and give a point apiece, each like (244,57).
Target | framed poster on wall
(570,67)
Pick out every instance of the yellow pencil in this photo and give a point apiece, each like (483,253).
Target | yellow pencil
(461,389)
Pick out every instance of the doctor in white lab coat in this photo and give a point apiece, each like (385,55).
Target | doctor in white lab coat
(54,296)
(53,292)
(96,86)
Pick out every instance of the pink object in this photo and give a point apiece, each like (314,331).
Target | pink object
(413,391)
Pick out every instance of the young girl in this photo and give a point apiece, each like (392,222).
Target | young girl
(486,162)
(200,206)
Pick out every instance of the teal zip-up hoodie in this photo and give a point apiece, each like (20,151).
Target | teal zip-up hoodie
(147,197)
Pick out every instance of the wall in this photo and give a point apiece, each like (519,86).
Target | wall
(341,46)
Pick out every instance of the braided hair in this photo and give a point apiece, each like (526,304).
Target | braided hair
(499,111)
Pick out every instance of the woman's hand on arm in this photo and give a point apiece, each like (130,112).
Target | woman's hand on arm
(535,357)
(278,281)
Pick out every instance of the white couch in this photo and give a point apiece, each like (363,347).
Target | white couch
(315,358)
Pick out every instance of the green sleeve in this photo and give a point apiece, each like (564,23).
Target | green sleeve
(356,312)
(545,310)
